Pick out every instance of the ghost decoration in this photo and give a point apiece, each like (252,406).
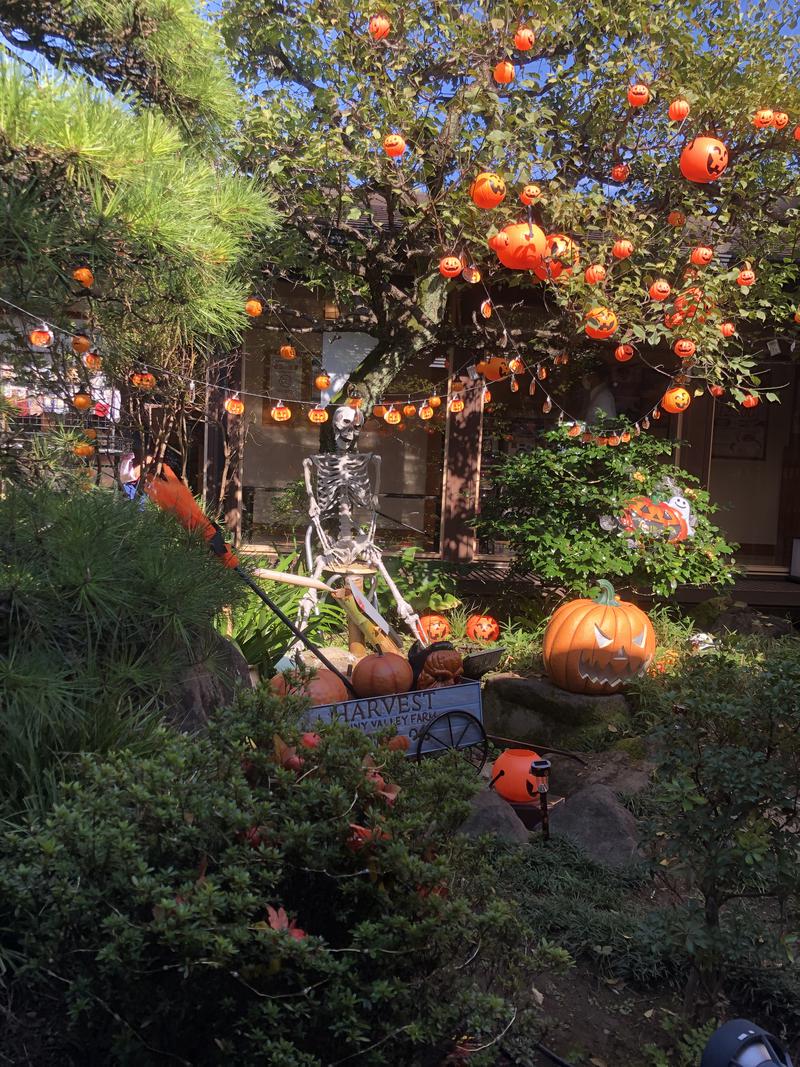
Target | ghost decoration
(667,514)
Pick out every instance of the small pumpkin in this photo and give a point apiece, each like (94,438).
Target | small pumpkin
(234,405)
(703,160)
(80,343)
(620,172)
(83,449)
(511,775)
(379,26)
(488,190)
(41,337)
(435,402)
(253,308)
(322,380)
(676,400)
(441,667)
(676,218)
(746,277)
(622,248)
(287,351)
(660,289)
(751,400)
(638,95)
(762,118)
(622,353)
(684,348)
(674,319)
(482,628)
(503,72)
(727,329)
(318,416)
(601,322)
(394,144)
(597,645)
(594,274)
(524,39)
(425,412)
(678,109)
(702,255)
(486,309)
(450,266)
(323,687)
(381,674)
(92,361)
(409,411)
(280,412)
(84,276)
(379,411)
(530,194)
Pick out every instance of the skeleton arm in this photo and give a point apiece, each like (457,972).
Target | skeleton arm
(313,509)
(376,488)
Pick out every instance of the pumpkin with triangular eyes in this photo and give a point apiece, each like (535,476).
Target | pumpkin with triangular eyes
(488,190)
(435,627)
(780,120)
(601,322)
(676,400)
(482,628)
(660,289)
(703,159)
(597,645)
(684,348)
(702,255)
(493,368)
(654,517)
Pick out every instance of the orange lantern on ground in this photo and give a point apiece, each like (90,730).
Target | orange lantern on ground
(394,144)
(511,775)
(676,400)
(379,26)
(234,405)
(482,628)
(280,412)
(638,95)
(622,248)
(503,72)
(322,380)
(82,401)
(524,39)
(253,308)
(488,190)
(318,416)
(287,351)
(450,266)
(703,160)
(80,343)
(622,353)
(678,109)
(601,322)
(84,276)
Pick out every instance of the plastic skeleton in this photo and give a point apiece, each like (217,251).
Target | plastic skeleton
(342,489)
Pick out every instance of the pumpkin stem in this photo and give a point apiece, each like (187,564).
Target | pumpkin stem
(606,596)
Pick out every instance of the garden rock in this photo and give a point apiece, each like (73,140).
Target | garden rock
(492,815)
(209,684)
(342,659)
(533,711)
(741,619)
(617,770)
(595,820)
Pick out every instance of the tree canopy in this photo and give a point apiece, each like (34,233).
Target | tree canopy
(372,229)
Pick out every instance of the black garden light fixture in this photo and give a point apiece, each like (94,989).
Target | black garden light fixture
(740,1043)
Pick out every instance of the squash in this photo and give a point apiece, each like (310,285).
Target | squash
(382,673)
(324,687)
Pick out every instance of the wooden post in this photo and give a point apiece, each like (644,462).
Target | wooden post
(462,473)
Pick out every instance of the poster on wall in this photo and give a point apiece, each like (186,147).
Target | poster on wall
(739,433)
(285,377)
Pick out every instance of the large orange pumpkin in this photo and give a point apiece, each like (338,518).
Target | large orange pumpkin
(511,775)
(520,246)
(703,160)
(324,687)
(435,627)
(482,628)
(381,674)
(488,190)
(596,646)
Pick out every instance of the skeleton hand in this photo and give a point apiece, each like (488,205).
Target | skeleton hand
(374,503)
(313,509)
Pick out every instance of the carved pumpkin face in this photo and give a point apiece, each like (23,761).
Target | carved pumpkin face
(488,190)
(596,646)
(746,277)
(622,248)
(511,774)
(253,308)
(379,411)
(318,416)
(520,246)
(425,412)
(703,160)
(752,400)
(456,404)
(594,274)
(620,172)
(678,109)
(684,348)
(601,322)
(676,400)
(530,194)
(702,255)
(524,39)
(503,72)
(42,337)
(394,145)
(622,353)
(234,405)
(287,352)
(660,289)
(379,26)
(322,380)
(654,518)
(450,266)
(393,417)
(493,368)
(727,329)
(143,380)
(280,412)
(638,95)
(482,628)
(435,627)
(762,118)
(676,218)
(780,120)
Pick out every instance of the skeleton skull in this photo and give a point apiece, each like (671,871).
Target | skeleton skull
(347,423)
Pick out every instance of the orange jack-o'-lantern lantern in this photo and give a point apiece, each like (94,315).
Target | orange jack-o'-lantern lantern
(318,416)
(393,416)
(435,627)
(676,218)
(450,266)
(524,39)
(253,308)
(597,645)
(746,277)
(234,405)
(83,449)
(486,309)
(515,365)
(482,628)
(493,368)
(676,400)
(638,95)
(471,274)
(622,353)
(762,118)
(520,246)
(486,396)
(702,255)
(435,402)
(660,289)
(512,778)
(751,400)
(488,190)
(652,517)
(456,403)
(379,410)
(409,411)
(280,413)
(530,194)
(703,160)
(692,303)
(620,172)
(780,120)
(716,391)
(143,380)
(322,380)
(355,401)
(381,674)
(394,144)
(503,72)
(81,401)
(287,352)
(92,361)
(594,274)
(41,337)
(673,320)
(425,412)
(622,248)
(84,276)
(727,329)
(601,322)
(562,254)
(379,26)
(80,343)
(678,109)
(684,348)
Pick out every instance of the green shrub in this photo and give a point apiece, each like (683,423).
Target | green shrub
(548,503)
(136,916)
(101,607)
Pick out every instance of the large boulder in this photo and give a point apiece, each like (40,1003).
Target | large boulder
(209,684)
(595,820)
(492,815)
(623,774)
(342,659)
(531,710)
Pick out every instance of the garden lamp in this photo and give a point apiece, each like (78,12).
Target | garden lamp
(740,1043)
(540,773)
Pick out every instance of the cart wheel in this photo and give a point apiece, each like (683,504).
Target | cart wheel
(454,729)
